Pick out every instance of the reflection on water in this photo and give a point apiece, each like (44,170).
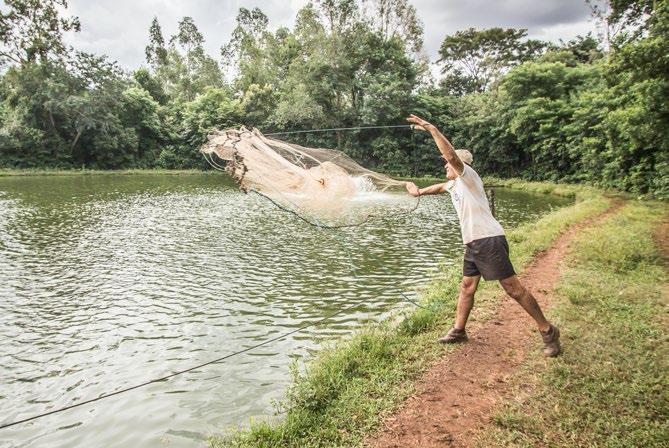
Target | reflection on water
(110,281)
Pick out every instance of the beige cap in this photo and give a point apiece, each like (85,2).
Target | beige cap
(465,156)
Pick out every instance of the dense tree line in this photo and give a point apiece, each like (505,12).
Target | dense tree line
(590,110)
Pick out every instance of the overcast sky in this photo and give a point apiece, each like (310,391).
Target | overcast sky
(119,28)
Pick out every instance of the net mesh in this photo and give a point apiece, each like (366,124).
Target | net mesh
(322,185)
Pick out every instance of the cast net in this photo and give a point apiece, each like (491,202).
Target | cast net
(323,186)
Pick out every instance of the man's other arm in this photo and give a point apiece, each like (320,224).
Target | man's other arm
(432,189)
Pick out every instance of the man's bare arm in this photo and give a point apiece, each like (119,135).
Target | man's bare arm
(432,189)
(443,144)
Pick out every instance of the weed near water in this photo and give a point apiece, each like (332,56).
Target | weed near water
(609,386)
(343,394)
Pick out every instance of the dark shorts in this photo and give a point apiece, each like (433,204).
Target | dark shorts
(488,257)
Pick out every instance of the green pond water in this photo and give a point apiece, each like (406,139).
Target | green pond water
(111,281)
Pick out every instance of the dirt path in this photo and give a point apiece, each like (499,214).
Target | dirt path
(662,240)
(457,395)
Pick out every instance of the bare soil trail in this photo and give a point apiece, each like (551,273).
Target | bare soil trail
(458,394)
(662,240)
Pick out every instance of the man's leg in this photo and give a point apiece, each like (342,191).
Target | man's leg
(520,294)
(549,333)
(465,304)
(466,300)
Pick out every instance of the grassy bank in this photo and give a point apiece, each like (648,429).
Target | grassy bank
(609,388)
(86,172)
(345,390)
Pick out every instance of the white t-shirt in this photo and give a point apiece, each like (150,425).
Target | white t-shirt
(471,205)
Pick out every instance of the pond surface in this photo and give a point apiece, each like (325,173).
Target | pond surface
(113,280)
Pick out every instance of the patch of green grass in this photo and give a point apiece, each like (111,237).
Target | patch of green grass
(576,191)
(609,387)
(87,172)
(348,388)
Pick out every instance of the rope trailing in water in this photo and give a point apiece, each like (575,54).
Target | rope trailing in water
(319,225)
(348,253)
(190,369)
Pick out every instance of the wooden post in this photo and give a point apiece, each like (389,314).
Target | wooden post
(490,193)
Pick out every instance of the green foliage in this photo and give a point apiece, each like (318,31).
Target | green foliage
(184,68)
(31,31)
(474,59)
(639,122)
(392,19)
(570,112)
(214,109)
(581,49)
(140,113)
(604,122)
(151,84)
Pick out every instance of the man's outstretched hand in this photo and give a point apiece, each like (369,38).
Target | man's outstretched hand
(412,189)
(419,123)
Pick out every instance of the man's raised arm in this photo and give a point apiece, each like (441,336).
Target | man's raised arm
(444,145)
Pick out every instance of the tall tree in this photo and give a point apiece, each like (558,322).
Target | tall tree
(188,37)
(251,25)
(622,20)
(246,51)
(633,12)
(396,19)
(156,53)
(481,57)
(608,27)
(338,15)
(184,68)
(32,31)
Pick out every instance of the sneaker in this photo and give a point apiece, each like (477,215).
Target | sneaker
(453,336)
(551,341)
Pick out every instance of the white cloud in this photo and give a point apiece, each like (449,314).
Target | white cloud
(564,31)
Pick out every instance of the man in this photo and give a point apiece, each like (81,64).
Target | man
(487,251)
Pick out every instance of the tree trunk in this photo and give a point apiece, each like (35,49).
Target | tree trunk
(76,139)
